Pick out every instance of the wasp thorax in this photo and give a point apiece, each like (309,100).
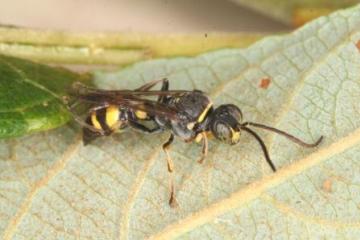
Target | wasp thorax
(224,123)
(195,105)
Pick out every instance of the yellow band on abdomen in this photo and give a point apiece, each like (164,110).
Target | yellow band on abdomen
(112,116)
(94,121)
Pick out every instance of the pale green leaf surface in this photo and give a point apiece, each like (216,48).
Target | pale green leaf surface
(117,188)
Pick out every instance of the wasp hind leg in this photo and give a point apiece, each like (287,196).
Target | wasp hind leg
(150,85)
(137,126)
(164,87)
(170,167)
(89,132)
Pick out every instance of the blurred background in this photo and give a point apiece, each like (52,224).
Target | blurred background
(139,15)
(122,32)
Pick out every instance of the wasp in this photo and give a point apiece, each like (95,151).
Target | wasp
(188,115)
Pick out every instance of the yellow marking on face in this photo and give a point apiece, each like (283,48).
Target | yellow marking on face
(190,126)
(235,135)
(112,116)
(94,121)
(203,114)
(141,114)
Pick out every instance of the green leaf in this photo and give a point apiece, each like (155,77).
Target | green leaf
(296,12)
(117,188)
(30,96)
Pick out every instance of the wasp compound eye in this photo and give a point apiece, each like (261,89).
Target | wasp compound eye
(221,131)
(227,111)
(225,133)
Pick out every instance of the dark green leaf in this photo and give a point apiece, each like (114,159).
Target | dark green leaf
(30,96)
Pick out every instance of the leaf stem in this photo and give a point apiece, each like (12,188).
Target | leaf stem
(112,48)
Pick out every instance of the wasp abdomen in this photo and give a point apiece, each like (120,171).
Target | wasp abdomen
(106,119)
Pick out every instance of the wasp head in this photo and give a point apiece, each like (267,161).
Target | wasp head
(224,123)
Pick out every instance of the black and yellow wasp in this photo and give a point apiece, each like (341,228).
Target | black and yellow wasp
(189,115)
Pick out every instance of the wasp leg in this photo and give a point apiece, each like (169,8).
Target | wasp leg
(172,201)
(166,146)
(143,128)
(86,124)
(89,134)
(93,109)
(149,85)
(164,87)
(205,147)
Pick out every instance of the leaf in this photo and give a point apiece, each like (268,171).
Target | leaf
(30,96)
(117,188)
(112,48)
(298,12)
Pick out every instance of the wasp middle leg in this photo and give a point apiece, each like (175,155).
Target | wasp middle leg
(170,167)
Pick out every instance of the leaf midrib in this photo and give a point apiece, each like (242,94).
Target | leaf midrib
(243,197)
(22,109)
(24,78)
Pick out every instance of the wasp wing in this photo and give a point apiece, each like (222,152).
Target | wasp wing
(81,89)
(152,108)
(132,99)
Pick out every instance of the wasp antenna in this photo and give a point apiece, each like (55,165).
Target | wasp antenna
(262,144)
(285,134)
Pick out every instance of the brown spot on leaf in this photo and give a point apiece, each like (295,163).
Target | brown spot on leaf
(265,82)
(358,45)
(327,185)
